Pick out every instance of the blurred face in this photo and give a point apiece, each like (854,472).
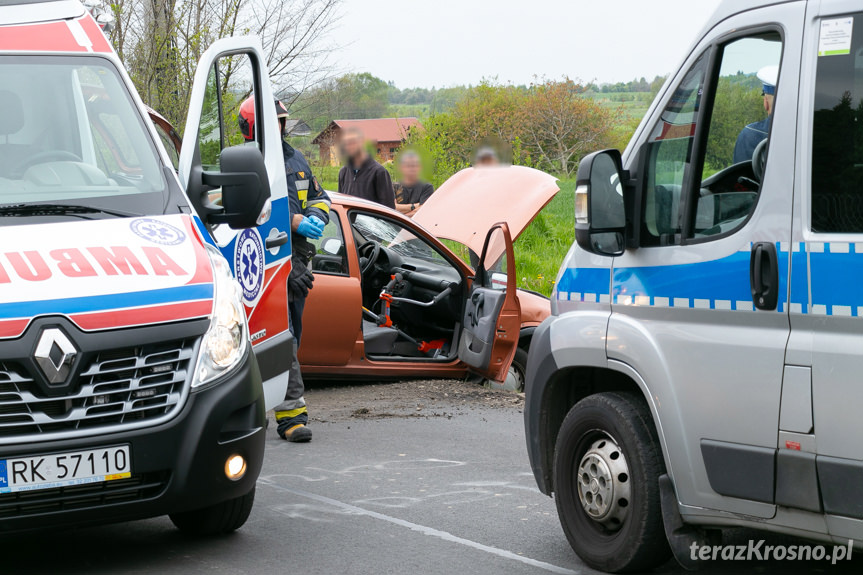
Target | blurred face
(410,168)
(768,103)
(352,146)
(486,160)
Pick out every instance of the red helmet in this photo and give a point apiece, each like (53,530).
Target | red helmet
(247,116)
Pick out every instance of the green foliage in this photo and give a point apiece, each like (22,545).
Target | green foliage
(737,104)
(542,247)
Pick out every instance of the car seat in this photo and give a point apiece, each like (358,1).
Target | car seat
(11,122)
(379,340)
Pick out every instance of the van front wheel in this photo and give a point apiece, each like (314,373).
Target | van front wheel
(607,464)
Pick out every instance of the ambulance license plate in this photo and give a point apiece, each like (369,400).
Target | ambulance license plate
(64,469)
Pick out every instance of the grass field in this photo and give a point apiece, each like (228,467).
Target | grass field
(541,248)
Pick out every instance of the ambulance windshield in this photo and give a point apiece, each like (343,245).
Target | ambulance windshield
(70,134)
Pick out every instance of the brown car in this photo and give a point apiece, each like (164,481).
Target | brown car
(391,297)
(371,256)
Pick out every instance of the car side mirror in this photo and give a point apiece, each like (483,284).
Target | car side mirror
(600,210)
(331,246)
(498,281)
(245,187)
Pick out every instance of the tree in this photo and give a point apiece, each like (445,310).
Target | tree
(161,41)
(561,124)
(737,103)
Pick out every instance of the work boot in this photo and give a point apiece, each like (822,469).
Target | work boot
(297,433)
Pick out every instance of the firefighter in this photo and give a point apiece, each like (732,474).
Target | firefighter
(310,208)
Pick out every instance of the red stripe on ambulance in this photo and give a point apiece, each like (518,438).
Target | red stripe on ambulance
(142,315)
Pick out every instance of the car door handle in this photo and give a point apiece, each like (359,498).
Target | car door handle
(764,275)
(277,240)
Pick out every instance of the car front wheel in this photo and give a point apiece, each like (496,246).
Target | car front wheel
(607,464)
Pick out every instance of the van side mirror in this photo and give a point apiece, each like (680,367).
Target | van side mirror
(245,187)
(600,210)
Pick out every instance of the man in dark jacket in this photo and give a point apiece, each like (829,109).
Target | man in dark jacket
(361,175)
(310,209)
(411,192)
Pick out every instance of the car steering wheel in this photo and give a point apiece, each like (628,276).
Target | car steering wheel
(44,158)
(759,159)
(370,250)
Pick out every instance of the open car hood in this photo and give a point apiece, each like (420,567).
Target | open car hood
(468,204)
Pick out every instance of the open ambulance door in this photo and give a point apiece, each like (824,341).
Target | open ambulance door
(216,163)
(492,316)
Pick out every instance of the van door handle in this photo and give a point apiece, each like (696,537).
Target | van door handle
(764,275)
(277,240)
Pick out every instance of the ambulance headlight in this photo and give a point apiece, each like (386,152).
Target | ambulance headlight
(225,343)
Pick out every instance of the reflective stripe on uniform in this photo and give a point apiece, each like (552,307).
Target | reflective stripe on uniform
(291,413)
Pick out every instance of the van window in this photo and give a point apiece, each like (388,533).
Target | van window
(740,121)
(723,193)
(837,141)
(70,133)
(669,157)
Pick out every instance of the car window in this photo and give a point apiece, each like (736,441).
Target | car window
(395,237)
(330,257)
(71,133)
(837,141)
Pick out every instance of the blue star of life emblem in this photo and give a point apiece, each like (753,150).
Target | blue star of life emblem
(157,231)
(249,264)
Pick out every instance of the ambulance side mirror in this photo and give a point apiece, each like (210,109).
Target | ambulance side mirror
(600,211)
(245,187)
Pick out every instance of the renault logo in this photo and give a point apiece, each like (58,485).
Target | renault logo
(55,355)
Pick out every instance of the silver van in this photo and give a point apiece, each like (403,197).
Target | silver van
(703,365)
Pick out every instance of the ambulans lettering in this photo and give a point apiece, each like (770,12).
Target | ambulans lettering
(33,266)
(162,265)
(72,263)
(118,260)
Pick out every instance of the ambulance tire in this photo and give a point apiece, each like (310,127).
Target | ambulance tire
(219,519)
(634,538)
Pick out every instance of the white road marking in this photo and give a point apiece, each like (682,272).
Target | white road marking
(354,510)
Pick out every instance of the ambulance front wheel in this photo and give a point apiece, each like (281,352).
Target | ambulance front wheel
(607,464)
(219,519)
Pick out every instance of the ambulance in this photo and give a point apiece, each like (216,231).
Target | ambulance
(703,365)
(143,310)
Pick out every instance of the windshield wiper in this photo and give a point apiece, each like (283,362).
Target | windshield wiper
(25,210)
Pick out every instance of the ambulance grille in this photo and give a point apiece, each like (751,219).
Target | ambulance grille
(115,387)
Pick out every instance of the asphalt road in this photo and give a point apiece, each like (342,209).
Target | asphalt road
(416,478)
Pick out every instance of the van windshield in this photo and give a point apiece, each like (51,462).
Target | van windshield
(71,135)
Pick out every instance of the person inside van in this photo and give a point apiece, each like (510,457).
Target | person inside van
(754,133)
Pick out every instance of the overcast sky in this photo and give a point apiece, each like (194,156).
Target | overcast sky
(448,42)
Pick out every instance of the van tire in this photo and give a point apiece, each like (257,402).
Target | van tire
(637,541)
(219,519)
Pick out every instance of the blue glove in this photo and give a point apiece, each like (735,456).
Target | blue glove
(312,228)
(318,222)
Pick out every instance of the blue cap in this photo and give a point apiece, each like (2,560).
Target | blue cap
(768,76)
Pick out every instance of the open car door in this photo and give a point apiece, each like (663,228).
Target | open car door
(492,316)
(216,152)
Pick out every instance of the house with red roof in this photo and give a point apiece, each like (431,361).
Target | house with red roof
(386,134)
